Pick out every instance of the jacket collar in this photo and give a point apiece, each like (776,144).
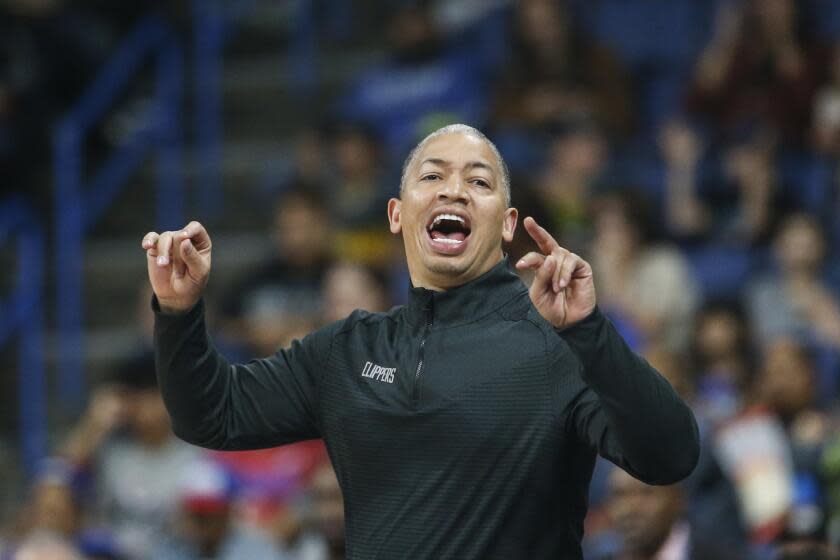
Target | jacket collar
(467,302)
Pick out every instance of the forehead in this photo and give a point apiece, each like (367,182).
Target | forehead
(458,149)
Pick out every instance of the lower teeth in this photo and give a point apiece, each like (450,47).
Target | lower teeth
(449,241)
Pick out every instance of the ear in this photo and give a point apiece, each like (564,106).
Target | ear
(509,224)
(394,207)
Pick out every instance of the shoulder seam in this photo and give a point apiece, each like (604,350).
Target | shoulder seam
(360,316)
(545,332)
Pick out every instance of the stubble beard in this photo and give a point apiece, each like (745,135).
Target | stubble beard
(447,268)
(454,267)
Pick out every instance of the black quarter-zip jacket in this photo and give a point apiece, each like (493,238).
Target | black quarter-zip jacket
(461,425)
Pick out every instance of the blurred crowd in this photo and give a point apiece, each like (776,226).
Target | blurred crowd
(688,150)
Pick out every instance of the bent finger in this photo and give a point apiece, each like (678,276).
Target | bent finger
(569,266)
(198,234)
(164,247)
(193,260)
(562,261)
(542,281)
(531,260)
(149,240)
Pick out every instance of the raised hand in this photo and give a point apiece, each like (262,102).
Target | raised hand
(563,290)
(179,265)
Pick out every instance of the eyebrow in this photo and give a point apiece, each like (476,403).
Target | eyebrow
(469,165)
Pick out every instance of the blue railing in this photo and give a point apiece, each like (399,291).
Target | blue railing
(215,22)
(22,313)
(80,203)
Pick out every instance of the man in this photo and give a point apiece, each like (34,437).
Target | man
(462,425)
(651,524)
(206,523)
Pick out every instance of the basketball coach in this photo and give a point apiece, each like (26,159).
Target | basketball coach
(464,424)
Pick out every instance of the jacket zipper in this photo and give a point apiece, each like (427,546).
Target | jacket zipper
(419,371)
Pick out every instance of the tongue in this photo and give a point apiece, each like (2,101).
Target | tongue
(456,235)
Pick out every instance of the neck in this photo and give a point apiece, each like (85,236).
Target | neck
(441,281)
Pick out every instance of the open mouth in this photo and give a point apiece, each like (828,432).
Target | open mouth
(448,232)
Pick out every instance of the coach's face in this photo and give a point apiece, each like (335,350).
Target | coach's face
(453,214)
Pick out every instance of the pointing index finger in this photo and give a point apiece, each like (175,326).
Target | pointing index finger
(544,240)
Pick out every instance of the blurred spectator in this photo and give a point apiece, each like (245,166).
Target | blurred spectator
(795,300)
(267,480)
(574,170)
(807,550)
(646,286)
(682,151)
(786,386)
(556,75)
(722,356)
(206,528)
(55,507)
(740,208)
(46,547)
(348,287)
(319,531)
(830,484)
(328,511)
(753,453)
(650,524)
(750,196)
(358,196)
(760,66)
(826,121)
(125,440)
(282,299)
(771,451)
(422,81)
(309,156)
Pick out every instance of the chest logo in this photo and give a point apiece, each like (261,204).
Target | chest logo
(379,373)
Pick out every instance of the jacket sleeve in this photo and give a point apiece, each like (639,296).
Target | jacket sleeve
(626,409)
(219,405)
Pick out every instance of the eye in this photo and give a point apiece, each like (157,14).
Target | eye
(481,183)
(430,177)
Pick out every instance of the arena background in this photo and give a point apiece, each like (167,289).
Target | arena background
(687,148)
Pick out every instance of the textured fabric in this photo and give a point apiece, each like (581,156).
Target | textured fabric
(461,425)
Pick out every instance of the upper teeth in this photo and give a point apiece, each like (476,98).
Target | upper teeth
(440,217)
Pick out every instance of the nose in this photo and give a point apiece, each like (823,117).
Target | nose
(453,190)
